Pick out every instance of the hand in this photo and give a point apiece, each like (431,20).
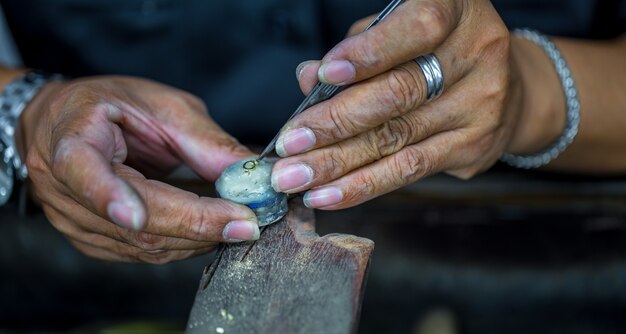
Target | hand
(91,143)
(381,133)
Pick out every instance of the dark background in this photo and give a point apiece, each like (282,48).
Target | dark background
(508,252)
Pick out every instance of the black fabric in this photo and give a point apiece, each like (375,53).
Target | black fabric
(239,56)
(571,18)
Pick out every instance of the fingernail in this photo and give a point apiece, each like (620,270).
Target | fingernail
(291,177)
(295,141)
(322,197)
(127,216)
(300,68)
(241,230)
(337,72)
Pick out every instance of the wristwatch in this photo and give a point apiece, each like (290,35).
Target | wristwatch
(13,100)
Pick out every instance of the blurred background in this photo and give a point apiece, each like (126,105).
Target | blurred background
(507,252)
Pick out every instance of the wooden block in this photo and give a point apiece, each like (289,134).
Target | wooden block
(289,281)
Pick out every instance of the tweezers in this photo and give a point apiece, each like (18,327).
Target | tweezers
(322,92)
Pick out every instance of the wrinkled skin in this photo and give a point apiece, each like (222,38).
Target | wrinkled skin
(93,146)
(380,133)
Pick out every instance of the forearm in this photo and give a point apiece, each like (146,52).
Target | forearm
(598,69)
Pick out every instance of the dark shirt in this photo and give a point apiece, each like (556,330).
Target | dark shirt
(239,56)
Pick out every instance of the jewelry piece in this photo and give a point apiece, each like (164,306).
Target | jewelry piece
(572,103)
(13,100)
(248,182)
(250,165)
(430,66)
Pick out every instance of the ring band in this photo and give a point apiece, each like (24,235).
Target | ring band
(431,68)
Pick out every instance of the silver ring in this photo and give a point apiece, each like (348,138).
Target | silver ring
(430,66)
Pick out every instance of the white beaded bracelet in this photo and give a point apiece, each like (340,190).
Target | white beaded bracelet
(572,103)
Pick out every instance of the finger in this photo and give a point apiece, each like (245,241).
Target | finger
(470,147)
(81,222)
(93,184)
(123,253)
(100,253)
(318,167)
(180,214)
(416,27)
(86,171)
(392,172)
(306,73)
(194,137)
(173,212)
(362,107)
(87,243)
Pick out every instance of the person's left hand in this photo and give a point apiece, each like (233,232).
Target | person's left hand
(381,133)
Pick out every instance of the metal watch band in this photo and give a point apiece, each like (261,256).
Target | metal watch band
(13,100)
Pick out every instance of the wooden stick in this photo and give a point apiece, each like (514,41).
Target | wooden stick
(289,281)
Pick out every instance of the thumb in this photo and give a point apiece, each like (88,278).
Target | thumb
(86,172)
(414,28)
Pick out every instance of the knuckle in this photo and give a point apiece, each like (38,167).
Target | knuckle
(404,91)
(336,161)
(342,127)
(411,164)
(195,224)
(495,39)
(366,54)
(201,221)
(387,138)
(433,20)
(147,241)
(366,187)
(493,47)
(394,135)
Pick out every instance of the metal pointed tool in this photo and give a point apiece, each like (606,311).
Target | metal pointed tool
(322,92)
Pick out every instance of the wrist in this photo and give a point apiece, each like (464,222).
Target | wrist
(541,102)
(13,100)
(26,129)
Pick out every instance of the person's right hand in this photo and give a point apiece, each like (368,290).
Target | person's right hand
(92,145)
